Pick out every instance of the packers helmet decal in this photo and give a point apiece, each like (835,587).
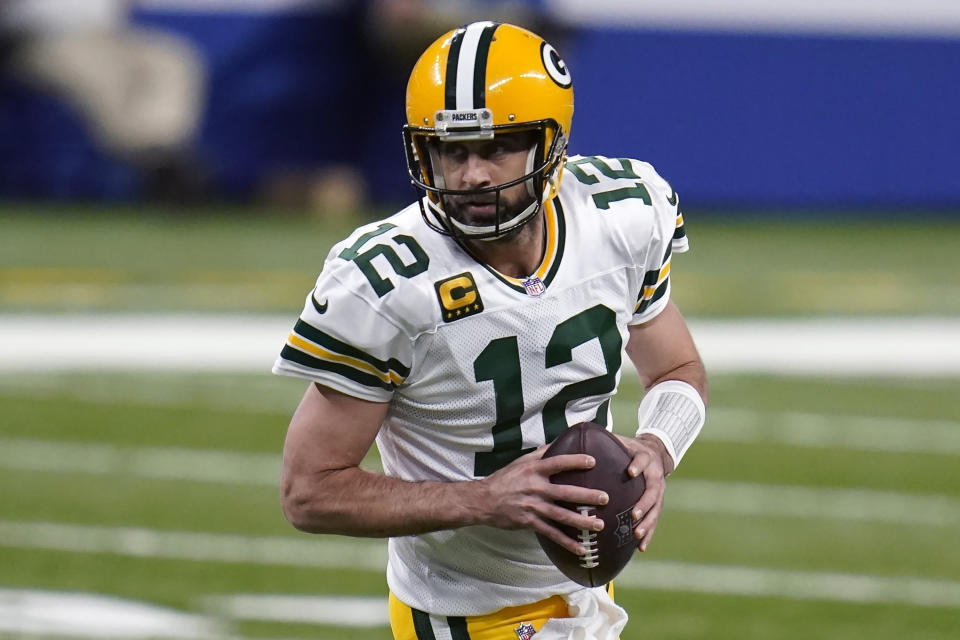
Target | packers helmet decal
(556,68)
(465,86)
(474,83)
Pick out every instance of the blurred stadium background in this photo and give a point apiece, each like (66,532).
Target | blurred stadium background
(172,173)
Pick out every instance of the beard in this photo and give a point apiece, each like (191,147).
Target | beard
(485,209)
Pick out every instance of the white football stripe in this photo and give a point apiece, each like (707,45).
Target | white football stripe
(333,552)
(837,347)
(325,552)
(211,342)
(832,431)
(198,465)
(466,64)
(30,613)
(798,585)
(823,503)
(342,611)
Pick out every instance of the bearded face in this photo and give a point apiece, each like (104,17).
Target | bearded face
(481,166)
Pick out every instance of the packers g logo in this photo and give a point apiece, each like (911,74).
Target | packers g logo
(555,67)
(458,297)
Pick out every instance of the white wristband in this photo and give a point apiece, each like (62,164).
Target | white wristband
(674,412)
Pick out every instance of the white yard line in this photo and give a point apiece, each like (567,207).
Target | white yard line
(839,347)
(795,585)
(56,614)
(341,611)
(195,465)
(697,496)
(833,431)
(330,552)
(816,503)
(141,342)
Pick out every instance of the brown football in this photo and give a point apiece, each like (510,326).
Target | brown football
(609,550)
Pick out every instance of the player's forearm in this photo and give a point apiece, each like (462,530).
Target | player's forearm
(355,502)
(691,372)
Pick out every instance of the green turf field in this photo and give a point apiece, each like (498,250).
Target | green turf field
(810,508)
(81,261)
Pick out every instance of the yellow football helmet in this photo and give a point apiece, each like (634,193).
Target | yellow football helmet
(474,83)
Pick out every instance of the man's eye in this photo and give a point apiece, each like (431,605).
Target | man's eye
(498,148)
(455,153)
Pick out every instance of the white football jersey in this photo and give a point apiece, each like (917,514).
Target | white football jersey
(479,367)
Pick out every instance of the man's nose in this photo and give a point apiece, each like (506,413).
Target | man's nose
(477,171)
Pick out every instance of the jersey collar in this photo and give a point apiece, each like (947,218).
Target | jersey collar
(556,231)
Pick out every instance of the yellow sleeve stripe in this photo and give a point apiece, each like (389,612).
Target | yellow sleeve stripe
(319,352)
(651,290)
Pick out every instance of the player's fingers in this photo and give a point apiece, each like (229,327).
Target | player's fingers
(577,519)
(536,454)
(652,498)
(566,462)
(651,502)
(640,463)
(644,533)
(576,495)
(553,533)
(644,536)
(646,518)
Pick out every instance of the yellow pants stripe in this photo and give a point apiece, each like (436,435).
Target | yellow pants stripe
(408,623)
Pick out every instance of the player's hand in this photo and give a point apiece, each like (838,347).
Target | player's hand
(650,458)
(521,496)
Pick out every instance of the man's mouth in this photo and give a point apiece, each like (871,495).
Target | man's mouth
(481,206)
(477,206)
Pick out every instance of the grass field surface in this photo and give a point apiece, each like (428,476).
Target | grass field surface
(79,260)
(811,507)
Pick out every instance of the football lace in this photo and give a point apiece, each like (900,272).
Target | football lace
(588,538)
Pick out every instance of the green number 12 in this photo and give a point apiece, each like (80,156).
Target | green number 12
(499,363)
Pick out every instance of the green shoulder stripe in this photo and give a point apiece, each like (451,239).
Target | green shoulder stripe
(679,232)
(651,278)
(307,360)
(662,289)
(327,341)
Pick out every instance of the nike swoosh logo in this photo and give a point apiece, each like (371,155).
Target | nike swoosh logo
(321,308)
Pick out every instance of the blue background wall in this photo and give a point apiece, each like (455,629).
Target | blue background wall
(732,119)
(776,119)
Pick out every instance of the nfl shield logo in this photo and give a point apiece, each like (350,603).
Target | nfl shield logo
(525,631)
(534,286)
(624,528)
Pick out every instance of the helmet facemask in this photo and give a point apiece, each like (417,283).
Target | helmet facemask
(440,206)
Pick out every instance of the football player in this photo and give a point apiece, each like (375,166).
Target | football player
(467,331)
